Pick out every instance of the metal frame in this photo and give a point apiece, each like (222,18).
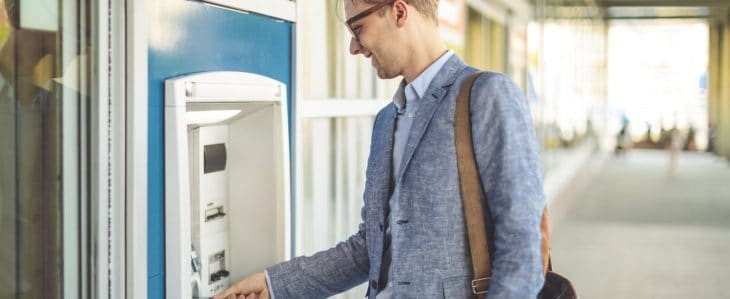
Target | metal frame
(136,148)
(118,142)
(608,3)
(99,144)
(294,135)
(72,173)
(280,9)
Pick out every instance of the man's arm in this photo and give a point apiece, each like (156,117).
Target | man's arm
(510,169)
(323,274)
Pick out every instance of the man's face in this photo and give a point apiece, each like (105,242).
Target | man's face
(373,35)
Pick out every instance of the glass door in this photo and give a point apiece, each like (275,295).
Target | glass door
(45,84)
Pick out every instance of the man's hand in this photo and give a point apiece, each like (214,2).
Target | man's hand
(252,287)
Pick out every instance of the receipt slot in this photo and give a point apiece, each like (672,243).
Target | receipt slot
(226,180)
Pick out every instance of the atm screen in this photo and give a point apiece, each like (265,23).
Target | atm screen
(214,157)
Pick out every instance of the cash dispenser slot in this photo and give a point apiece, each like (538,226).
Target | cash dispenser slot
(214,213)
(216,266)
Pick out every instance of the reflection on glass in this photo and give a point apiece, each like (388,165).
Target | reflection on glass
(41,152)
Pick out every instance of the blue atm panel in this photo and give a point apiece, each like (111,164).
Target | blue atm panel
(189,37)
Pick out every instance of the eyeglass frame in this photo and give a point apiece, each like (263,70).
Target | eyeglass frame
(364,14)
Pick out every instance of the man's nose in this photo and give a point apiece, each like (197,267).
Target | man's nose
(355,47)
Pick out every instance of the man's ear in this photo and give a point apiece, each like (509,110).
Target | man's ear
(401,10)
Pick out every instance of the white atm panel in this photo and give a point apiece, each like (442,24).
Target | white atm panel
(208,204)
(257,173)
(226,179)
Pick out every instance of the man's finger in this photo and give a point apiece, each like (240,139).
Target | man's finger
(230,293)
(265,293)
(253,284)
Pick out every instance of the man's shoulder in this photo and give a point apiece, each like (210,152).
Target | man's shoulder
(490,77)
(388,109)
(385,110)
(493,83)
(484,78)
(493,93)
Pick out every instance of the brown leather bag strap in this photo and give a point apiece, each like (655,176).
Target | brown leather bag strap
(474,210)
(471,191)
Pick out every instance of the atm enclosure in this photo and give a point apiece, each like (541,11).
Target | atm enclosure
(227,199)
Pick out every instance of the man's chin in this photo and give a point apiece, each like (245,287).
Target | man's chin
(383,75)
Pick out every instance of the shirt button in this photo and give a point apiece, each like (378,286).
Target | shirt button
(374,284)
(381,227)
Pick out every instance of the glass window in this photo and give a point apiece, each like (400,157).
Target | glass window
(334,158)
(44,153)
(335,152)
(566,84)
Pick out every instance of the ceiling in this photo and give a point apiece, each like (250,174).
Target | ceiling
(652,9)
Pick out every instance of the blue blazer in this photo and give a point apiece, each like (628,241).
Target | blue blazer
(430,250)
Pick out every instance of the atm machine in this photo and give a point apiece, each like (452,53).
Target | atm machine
(227,199)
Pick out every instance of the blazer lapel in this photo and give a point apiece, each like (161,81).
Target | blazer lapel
(433,96)
(381,177)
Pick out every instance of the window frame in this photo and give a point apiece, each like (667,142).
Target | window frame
(136,98)
(280,9)
(118,149)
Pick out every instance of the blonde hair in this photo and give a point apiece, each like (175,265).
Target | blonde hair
(429,8)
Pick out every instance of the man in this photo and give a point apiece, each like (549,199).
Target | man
(413,242)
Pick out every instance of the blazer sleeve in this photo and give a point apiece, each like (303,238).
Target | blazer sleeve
(323,274)
(510,170)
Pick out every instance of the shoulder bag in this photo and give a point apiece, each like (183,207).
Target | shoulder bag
(556,286)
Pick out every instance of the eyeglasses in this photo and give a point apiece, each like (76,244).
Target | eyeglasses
(363,15)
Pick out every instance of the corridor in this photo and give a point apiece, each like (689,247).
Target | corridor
(634,230)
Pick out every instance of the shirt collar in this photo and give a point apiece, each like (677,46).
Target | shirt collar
(417,88)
